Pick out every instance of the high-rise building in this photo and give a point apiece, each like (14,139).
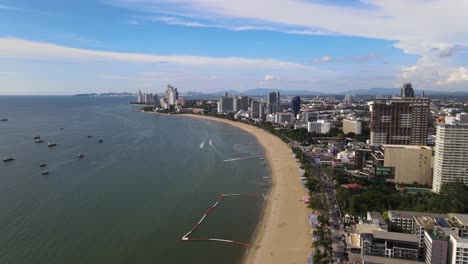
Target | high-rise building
(156,101)
(255,109)
(139,97)
(244,103)
(407,90)
(236,103)
(226,104)
(451,152)
(262,111)
(172,95)
(296,104)
(273,97)
(399,121)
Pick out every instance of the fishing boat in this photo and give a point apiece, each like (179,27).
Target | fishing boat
(90,136)
(39,141)
(81,156)
(3,120)
(52,144)
(45,172)
(8,159)
(42,165)
(101,140)
(36,137)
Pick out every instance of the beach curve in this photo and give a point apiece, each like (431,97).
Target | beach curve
(282,235)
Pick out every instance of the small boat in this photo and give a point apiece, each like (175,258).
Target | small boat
(42,165)
(4,120)
(52,144)
(264,164)
(266,177)
(8,159)
(101,140)
(45,172)
(39,141)
(80,156)
(90,136)
(36,137)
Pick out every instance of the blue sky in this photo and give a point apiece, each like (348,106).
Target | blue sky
(67,47)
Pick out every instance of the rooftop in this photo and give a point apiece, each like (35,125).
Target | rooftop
(405,146)
(395,236)
(461,217)
(410,214)
(383,260)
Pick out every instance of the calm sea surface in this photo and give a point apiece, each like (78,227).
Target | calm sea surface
(132,197)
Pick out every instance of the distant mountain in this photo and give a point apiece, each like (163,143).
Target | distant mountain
(252,92)
(373,91)
(369,91)
(265,91)
(106,94)
(396,91)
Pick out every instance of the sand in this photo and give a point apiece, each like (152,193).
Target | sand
(283,234)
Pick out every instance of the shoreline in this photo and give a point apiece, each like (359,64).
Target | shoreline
(282,234)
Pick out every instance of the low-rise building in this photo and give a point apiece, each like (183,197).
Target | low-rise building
(390,245)
(405,219)
(318,127)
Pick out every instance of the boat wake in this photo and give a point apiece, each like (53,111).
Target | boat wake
(211,145)
(243,158)
(202,144)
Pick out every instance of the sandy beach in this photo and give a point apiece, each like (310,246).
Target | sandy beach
(283,233)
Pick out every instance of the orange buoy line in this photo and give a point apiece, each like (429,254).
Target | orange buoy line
(221,197)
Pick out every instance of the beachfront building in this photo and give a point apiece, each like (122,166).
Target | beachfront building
(140,97)
(156,101)
(226,104)
(255,109)
(451,152)
(172,95)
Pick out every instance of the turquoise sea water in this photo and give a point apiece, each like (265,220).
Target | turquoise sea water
(132,197)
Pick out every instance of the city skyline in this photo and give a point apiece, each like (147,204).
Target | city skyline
(52,47)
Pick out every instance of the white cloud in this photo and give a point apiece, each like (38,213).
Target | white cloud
(432,73)
(324,59)
(365,58)
(269,77)
(417,25)
(27,50)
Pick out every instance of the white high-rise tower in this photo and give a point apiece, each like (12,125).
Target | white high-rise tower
(451,152)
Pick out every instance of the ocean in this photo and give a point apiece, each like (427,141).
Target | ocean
(133,196)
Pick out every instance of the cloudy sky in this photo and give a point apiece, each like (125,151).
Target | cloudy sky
(67,47)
